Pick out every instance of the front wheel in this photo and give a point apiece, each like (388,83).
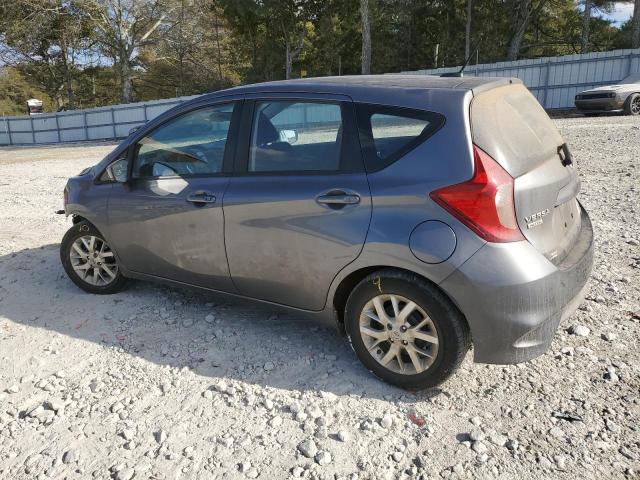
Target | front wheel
(632,105)
(405,330)
(89,261)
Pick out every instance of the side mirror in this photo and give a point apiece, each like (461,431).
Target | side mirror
(134,129)
(289,136)
(116,171)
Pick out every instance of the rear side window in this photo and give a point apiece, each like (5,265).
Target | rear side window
(388,133)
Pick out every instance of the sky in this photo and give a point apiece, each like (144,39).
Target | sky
(621,13)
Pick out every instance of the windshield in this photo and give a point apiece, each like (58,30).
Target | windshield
(633,78)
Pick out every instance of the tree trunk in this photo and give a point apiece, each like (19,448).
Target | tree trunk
(586,21)
(125,79)
(467,38)
(635,25)
(366,37)
(522,23)
(219,51)
(70,93)
(288,62)
(525,11)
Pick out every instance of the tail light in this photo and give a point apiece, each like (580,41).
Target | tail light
(485,203)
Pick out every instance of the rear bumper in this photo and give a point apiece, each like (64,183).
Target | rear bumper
(514,298)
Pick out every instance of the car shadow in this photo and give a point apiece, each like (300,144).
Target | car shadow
(212,334)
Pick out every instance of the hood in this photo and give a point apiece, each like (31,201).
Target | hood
(606,88)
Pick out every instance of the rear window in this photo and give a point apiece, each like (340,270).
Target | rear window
(510,125)
(388,133)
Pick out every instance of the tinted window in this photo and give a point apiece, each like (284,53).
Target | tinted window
(193,143)
(388,133)
(296,136)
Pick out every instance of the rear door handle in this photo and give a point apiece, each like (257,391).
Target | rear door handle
(338,199)
(201,197)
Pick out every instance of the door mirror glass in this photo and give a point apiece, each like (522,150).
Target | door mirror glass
(116,171)
(289,136)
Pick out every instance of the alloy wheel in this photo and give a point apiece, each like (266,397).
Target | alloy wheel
(399,334)
(93,261)
(635,106)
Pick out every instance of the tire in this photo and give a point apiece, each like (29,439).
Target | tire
(108,278)
(632,104)
(444,322)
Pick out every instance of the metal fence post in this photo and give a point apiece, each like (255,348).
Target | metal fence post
(58,128)
(144,109)
(8,127)
(33,132)
(113,122)
(546,84)
(86,127)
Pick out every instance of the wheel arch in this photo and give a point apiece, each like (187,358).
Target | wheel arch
(348,283)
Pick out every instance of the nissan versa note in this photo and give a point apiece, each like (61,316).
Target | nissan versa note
(420,214)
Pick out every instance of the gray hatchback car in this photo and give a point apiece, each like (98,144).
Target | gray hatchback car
(419,214)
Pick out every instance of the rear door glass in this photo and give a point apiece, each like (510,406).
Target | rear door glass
(293,136)
(388,133)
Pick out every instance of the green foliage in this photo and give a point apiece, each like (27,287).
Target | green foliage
(81,53)
(15,90)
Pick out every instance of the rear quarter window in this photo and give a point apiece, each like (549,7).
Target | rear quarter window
(389,133)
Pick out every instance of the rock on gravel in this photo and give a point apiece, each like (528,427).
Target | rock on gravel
(308,448)
(580,330)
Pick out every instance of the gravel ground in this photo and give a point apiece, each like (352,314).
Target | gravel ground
(161,383)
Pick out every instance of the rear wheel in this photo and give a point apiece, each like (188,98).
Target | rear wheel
(89,261)
(405,330)
(632,105)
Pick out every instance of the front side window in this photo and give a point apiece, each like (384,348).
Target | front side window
(388,133)
(191,144)
(296,137)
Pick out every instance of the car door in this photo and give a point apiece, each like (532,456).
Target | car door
(167,219)
(297,209)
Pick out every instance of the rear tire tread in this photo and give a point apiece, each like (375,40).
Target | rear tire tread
(458,337)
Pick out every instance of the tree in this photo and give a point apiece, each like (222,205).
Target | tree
(47,38)
(123,28)
(523,13)
(15,90)
(635,25)
(586,22)
(467,31)
(366,37)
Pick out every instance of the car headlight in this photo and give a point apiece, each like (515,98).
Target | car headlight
(578,97)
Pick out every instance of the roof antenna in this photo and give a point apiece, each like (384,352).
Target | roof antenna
(460,72)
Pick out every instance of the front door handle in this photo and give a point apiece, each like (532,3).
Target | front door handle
(201,197)
(338,199)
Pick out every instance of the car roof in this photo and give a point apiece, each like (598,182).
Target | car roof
(359,84)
